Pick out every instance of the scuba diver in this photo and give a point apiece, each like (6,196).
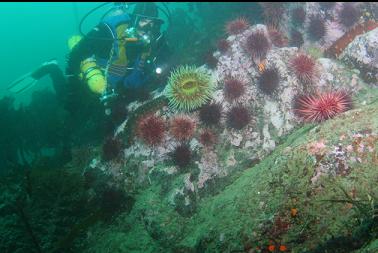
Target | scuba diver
(114,63)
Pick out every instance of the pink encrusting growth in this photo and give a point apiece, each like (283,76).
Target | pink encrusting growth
(237,26)
(322,106)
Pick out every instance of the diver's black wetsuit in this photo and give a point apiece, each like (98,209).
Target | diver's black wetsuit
(73,92)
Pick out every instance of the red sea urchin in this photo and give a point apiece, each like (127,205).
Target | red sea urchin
(237,26)
(257,45)
(304,68)
(316,28)
(269,80)
(348,14)
(151,129)
(233,88)
(210,114)
(323,106)
(207,137)
(238,117)
(182,127)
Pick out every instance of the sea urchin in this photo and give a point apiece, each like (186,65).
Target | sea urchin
(304,68)
(316,28)
(210,114)
(188,88)
(238,117)
(322,106)
(151,129)
(182,156)
(207,138)
(257,45)
(233,88)
(182,127)
(296,38)
(269,80)
(348,14)
(277,38)
(237,26)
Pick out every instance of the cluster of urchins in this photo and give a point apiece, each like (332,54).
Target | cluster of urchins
(310,107)
(315,27)
(317,107)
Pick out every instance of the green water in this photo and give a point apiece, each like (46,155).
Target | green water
(227,149)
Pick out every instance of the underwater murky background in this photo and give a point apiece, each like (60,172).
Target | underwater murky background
(260,134)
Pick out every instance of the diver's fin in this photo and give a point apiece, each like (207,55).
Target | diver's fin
(28,80)
(23,83)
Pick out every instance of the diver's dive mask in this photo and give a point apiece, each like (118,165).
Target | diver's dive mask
(132,34)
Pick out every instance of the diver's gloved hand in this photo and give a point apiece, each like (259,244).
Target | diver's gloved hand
(137,77)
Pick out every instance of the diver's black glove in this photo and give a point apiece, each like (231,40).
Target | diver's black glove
(137,77)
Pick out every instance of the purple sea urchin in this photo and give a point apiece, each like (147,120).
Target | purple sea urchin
(182,156)
(257,45)
(233,88)
(316,28)
(238,117)
(349,14)
(210,60)
(210,114)
(269,80)
(296,38)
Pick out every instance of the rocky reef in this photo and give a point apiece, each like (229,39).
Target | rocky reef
(270,148)
(271,185)
(362,54)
